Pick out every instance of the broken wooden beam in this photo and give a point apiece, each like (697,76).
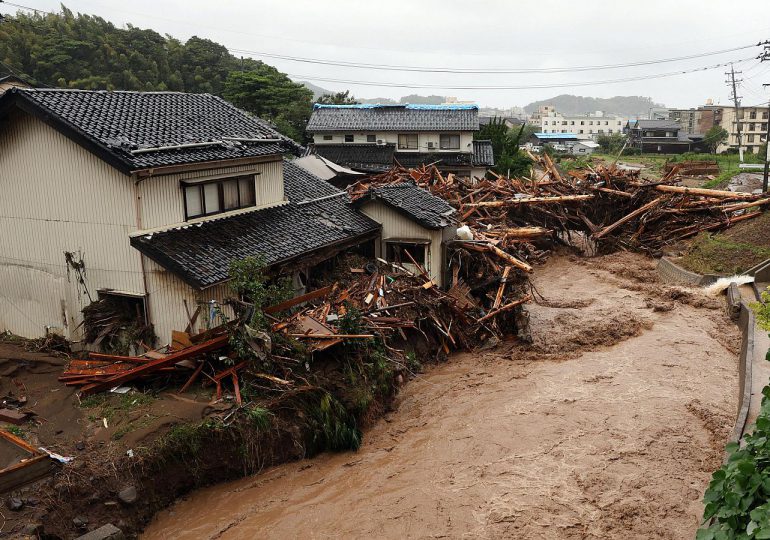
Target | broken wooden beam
(506,307)
(641,210)
(531,200)
(717,193)
(155,365)
(318,293)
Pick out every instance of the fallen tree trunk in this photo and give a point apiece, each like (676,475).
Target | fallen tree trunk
(642,209)
(704,192)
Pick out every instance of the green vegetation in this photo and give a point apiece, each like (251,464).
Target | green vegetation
(109,405)
(509,160)
(611,144)
(15,430)
(82,51)
(330,425)
(715,136)
(720,254)
(260,417)
(738,497)
(250,283)
(338,98)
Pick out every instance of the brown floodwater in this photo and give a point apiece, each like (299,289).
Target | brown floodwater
(608,427)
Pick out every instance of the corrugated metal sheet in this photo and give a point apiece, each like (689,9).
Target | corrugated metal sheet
(162,201)
(166,302)
(58,197)
(394,225)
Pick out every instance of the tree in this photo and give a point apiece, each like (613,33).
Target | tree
(714,137)
(509,160)
(271,95)
(611,144)
(338,98)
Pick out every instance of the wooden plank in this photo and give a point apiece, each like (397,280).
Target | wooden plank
(531,200)
(180,340)
(298,300)
(192,378)
(155,365)
(26,472)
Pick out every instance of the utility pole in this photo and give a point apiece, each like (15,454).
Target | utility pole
(763,58)
(735,97)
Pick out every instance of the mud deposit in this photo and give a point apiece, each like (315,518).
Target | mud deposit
(608,426)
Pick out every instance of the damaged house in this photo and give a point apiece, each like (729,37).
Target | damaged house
(372,138)
(146,198)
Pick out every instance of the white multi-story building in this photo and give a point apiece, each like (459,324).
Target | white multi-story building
(586,126)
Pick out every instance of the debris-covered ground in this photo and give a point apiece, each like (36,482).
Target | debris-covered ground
(607,426)
(288,378)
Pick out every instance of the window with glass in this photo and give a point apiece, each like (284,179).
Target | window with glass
(217,196)
(348,137)
(371,138)
(328,137)
(407,141)
(448,141)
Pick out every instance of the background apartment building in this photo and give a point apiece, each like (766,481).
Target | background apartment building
(588,126)
(753,124)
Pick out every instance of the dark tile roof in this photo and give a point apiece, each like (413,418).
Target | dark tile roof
(201,253)
(393,118)
(656,124)
(414,202)
(378,158)
(483,154)
(359,157)
(113,124)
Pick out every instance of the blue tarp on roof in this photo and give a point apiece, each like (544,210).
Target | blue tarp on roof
(415,107)
(556,135)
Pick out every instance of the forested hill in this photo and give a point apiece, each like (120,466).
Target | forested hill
(80,51)
(621,105)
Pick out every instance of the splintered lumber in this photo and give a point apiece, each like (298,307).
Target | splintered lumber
(742,206)
(155,365)
(506,307)
(318,293)
(510,258)
(628,217)
(530,200)
(717,193)
(525,232)
(501,288)
(614,192)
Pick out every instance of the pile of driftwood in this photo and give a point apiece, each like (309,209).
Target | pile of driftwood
(690,168)
(613,206)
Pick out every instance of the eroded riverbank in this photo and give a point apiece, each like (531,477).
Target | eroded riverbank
(609,426)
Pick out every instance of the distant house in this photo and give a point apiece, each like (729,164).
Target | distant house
(662,137)
(509,121)
(149,197)
(539,139)
(583,147)
(372,138)
(325,169)
(421,238)
(585,126)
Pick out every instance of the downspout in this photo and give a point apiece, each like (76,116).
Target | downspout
(139,227)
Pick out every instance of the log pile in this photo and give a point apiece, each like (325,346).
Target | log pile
(613,206)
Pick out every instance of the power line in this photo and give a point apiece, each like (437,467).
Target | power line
(519,87)
(424,69)
(27,7)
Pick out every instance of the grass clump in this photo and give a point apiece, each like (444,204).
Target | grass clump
(720,254)
(260,418)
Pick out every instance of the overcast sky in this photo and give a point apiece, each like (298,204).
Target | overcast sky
(477,35)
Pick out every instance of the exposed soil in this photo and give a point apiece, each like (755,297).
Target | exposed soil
(608,426)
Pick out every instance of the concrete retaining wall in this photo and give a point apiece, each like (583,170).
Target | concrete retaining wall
(746,325)
(673,273)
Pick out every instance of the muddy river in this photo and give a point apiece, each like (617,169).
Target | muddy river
(608,427)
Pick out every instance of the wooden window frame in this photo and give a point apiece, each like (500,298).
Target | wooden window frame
(351,136)
(220,194)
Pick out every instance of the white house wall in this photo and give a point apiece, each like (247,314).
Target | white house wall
(162,199)
(391,137)
(395,225)
(58,197)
